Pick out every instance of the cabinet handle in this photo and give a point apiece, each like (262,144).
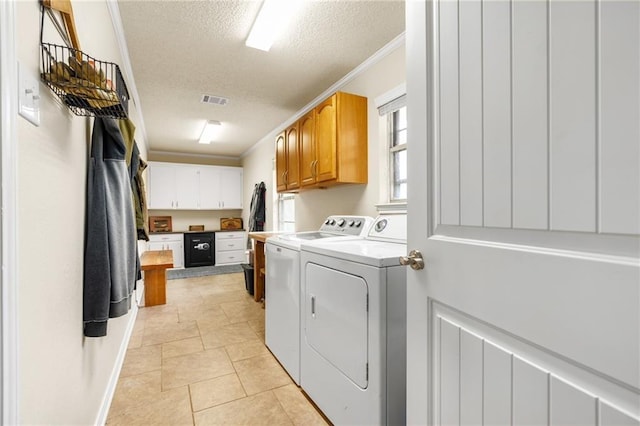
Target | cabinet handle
(312,168)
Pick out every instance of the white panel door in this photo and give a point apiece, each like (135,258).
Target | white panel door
(524,183)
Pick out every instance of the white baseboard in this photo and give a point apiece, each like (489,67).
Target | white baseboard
(115,374)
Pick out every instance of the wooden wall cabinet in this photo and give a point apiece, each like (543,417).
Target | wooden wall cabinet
(307,156)
(332,143)
(287,161)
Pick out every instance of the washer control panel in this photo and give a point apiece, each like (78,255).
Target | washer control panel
(350,225)
(389,227)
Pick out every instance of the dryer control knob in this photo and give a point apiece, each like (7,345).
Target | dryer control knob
(351,222)
(358,224)
(341,222)
(332,222)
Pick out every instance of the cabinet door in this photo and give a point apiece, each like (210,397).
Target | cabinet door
(306,130)
(162,186)
(281,162)
(210,194)
(325,140)
(156,246)
(187,187)
(231,187)
(178,253)
(292,178)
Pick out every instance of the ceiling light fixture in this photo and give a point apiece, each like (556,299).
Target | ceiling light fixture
(273,17)
(211,129)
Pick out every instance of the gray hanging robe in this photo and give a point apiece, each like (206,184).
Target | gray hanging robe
(110,242)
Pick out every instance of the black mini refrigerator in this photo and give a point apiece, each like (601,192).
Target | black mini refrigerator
(199,249)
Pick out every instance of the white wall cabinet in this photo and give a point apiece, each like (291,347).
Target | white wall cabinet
(230,247)
(194,187)
(221,188)
(173,242)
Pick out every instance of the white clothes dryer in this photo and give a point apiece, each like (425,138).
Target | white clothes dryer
(353,336)
(282,285)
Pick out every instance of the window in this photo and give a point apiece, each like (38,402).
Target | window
(392,148)
(286,212)
(397,125)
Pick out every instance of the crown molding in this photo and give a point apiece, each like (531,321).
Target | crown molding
(116,20)
(364,66)
(190,155)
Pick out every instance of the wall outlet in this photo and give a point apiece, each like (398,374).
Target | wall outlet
(29,95)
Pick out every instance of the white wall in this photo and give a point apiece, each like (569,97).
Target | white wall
(63,377)
(258,167)
(312,206)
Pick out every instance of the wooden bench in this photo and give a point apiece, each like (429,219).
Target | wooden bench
(155,263)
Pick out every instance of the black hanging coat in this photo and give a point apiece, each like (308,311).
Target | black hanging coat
(110,239)
(258,209)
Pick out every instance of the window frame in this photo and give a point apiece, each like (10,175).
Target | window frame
(283,197)
(392,149)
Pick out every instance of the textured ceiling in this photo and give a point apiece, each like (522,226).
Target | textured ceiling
(180,50)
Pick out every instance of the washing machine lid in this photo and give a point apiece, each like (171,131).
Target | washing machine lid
(295,240)
(380,254)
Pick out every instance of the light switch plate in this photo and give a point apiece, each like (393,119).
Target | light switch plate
(29,95)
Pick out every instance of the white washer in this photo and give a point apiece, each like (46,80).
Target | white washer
(353,341)
(282,285)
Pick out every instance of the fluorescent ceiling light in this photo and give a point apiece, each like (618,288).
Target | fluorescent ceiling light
(273,17)
(211,129)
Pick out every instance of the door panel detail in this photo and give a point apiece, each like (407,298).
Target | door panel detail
(538,105)
(504,387)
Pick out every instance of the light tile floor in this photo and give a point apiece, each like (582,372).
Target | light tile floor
(201,360)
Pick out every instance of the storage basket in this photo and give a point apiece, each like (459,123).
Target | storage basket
(89,87)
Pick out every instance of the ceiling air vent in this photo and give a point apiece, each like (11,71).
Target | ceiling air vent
(216,100)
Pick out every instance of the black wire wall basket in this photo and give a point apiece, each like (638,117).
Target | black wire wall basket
(89,87)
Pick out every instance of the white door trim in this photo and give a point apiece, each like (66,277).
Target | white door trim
(421,134)
(8,219)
